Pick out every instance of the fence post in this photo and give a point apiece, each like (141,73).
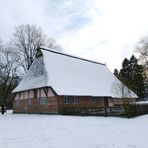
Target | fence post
(105,106)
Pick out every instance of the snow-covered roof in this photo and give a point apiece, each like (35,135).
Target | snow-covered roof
(69,75)
(142,102)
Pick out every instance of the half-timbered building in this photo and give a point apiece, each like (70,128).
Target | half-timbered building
(60,83)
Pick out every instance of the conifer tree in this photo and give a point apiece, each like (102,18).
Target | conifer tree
(136,77)
(116,73)
(131,75)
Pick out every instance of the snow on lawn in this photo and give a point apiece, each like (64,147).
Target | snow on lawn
(56,131)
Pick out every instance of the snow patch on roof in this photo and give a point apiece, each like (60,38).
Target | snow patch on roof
(69,75)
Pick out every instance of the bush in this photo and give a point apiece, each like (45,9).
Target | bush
(132,110)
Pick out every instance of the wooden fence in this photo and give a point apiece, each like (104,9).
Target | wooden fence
(126,110)
(93,111)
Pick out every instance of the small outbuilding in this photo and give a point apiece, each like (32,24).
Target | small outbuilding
(60,83)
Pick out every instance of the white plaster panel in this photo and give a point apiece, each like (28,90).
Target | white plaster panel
(50,93)
(42,93)
(21,95)
(16,97)
(31,94)
(26,95)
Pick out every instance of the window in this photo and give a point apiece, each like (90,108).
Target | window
(96,99)
(29,101)
(66,100)
(74,100)
(70,99)
(18,102)
(43,100)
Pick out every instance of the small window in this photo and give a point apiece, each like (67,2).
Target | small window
(96,99)
(18,102)
(29,101)
(74,100)
(70,99)
(43,100)
(66,100)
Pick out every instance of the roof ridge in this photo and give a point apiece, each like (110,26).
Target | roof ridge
(72,56)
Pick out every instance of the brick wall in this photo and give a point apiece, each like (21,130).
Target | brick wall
(87,105)
(82,104)
(57,104)
(26,102)
(34,105)
(87,100)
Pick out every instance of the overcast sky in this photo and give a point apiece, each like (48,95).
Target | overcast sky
(100,30)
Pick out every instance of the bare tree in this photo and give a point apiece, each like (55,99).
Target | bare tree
(121,91)
(9,69)
(142,50)
(27,38)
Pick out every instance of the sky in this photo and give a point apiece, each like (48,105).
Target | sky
(106,31)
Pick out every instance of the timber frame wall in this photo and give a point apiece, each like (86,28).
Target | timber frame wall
(46,101)
(41,100)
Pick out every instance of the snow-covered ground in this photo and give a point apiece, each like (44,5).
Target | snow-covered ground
(55,131)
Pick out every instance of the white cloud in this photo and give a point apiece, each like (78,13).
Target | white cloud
(118,24)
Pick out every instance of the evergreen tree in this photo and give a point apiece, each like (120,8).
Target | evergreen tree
(116,73)
(136,77)
(131,75)
(124,73)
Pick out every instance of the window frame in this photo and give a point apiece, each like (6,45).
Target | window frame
(18,102)
(43,100)
(29,101)
(70,100)
(97,99)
